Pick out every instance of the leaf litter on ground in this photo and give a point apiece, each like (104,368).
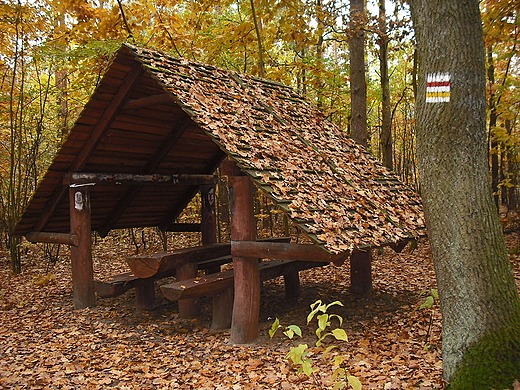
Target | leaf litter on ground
(45,344)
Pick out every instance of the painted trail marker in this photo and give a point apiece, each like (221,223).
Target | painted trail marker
(438,87)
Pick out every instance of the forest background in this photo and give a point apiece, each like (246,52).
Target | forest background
(54,52)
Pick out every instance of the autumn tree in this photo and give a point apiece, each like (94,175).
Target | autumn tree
(479,298)
(386,117)
(358,93)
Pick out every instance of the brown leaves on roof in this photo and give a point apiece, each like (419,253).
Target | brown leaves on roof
(331,187)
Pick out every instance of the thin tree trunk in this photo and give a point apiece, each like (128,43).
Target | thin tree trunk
(358,88)
(479,299)
(386,122)
(261,63)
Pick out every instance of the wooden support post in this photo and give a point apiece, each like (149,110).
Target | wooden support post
(208,224)
(292,284)
(145,294)
(222,310)
(361,272)
(81,255)
(223,301)
(246,306)
(188,308)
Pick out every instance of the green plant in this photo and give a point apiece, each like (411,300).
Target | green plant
(300,355)
(428,304)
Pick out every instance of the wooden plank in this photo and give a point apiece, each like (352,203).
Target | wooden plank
(148,101)
(146,266)
(117,285)
(215,283)
(285,251)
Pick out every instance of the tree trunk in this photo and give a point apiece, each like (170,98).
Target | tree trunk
(386,117)
(479,299)
(358,87)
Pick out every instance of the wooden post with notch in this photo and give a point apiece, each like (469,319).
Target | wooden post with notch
(81,255)
(223,300)
(246,306)
(361,272)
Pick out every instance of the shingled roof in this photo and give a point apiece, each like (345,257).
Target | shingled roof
(154,113)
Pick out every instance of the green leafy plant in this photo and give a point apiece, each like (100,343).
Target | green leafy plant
(432,295)
(299,355)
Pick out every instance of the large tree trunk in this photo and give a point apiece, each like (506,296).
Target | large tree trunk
(479,299)
(358,87)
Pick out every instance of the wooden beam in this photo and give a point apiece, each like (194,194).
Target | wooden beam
(129,82)
(223,300)
(152,100)
(54,238)
(129,179)
(285,251)
(81,255)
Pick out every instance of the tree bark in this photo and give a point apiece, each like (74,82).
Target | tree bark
(386,112)
(358,87)
(479,299)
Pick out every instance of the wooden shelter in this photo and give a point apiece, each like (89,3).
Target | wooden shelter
(154,133)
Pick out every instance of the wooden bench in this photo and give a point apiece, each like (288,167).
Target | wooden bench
(222,283)
(117,285)
(146,269)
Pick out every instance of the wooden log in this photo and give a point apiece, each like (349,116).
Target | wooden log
(222,309)
(81,255)
(146,266)
(136,179)
(218,282)
(292,284)
(145,294)
(117,285)
(246,305)
(190,307)
(285,251)
(361,272)
(55,238)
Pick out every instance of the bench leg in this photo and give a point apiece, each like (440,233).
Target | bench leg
(292,284)
(188,308)
(222,310)
(145,295)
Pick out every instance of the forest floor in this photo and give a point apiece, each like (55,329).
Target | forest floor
(45,344)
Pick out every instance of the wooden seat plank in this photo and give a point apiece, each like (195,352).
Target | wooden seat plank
(215,283)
